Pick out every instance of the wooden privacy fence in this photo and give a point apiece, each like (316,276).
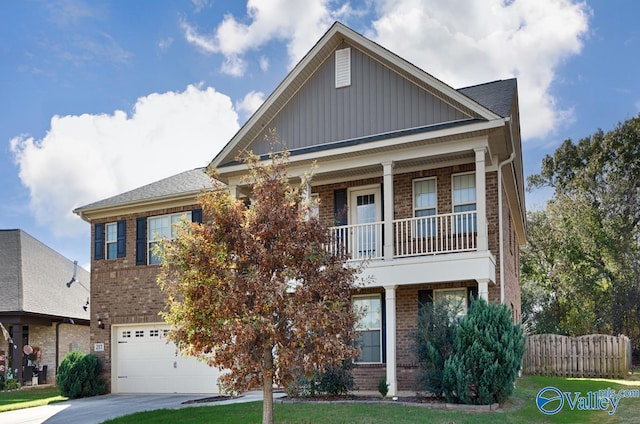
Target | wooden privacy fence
(594,355)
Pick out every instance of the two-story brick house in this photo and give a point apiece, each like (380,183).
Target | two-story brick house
(422,180)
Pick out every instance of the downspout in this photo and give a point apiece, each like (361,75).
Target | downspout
(500,225)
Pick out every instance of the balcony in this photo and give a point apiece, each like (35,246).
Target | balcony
(421,236)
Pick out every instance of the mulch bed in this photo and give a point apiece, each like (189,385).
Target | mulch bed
(419,401)
(210,399)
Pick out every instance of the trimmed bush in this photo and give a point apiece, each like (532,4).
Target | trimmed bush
(433,342)
(335,381)
(486,356)
(79,376)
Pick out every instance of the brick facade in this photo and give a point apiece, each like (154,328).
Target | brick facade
(368,375)
(123,292)
(126,293)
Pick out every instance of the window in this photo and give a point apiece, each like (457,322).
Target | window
(161,228)
(369,327)
(112,240)
(464,200)
(457,298)
(424,205)
(314,211)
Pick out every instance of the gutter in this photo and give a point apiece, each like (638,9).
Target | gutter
(501,224)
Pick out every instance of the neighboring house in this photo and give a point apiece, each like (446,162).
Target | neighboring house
(38,309)
(423,181)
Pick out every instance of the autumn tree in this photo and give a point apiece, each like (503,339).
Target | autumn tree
(582,262)
(254,290)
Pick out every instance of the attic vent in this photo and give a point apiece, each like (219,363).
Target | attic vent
(343,68)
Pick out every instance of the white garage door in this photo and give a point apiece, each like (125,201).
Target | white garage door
(146,363)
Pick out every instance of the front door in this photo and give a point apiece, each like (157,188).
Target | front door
(365,222)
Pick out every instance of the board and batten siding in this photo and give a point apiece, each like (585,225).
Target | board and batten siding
(377,101)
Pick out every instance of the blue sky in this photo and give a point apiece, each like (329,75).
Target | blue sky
(97,98)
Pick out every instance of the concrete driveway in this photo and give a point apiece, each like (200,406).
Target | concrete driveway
(97,409)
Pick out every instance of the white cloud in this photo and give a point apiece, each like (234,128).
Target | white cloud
(198,5)
(86,158)
(299,24)
(264,63)
(250,103)
(469,42)
(165,43)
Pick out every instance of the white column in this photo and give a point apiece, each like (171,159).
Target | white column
(481,200)
(483,289)
(390,305)
(388,209)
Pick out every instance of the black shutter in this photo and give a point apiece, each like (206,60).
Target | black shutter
(340,206)
(98,245)
(472,296)
(425,297)
(196,216)
(122,239)
(141,241)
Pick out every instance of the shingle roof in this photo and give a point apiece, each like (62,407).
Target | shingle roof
(33,279)
(497,96)
(192,181)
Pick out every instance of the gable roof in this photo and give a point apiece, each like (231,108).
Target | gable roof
(185,184)
(337,35)
(33,279)
(497,96)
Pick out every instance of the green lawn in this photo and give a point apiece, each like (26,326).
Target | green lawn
(520,408)
(26,398)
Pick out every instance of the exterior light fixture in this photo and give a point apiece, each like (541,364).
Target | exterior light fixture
(100,324)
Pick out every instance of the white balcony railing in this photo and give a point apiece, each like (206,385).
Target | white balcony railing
(429,235)
(360,241)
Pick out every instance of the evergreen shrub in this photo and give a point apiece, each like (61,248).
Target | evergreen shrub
(79,376)
(486,356)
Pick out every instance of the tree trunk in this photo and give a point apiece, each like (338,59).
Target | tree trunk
(267,387)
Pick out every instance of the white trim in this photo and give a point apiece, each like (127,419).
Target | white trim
(151,239)
(107,241)
(371,296)
(413,194)
(391,343)
(453,203)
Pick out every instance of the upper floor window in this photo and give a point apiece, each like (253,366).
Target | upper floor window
(369,327)
(112,240)
(425,205)
(162,228)
(464,200)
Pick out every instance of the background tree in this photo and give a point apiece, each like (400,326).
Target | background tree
(581,266)
(253,290)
